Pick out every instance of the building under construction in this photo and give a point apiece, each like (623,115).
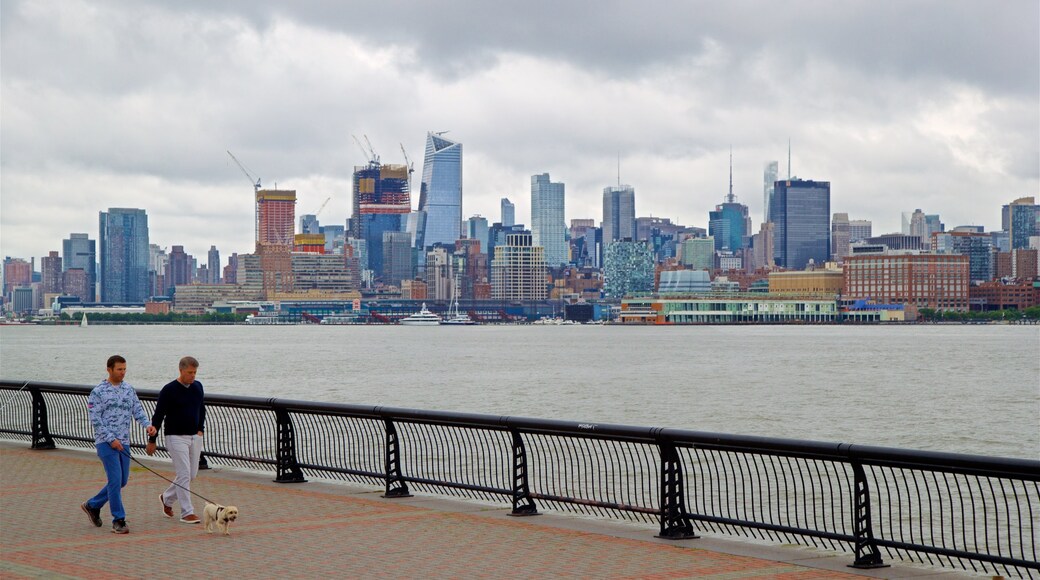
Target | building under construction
(381,199)
(275,216)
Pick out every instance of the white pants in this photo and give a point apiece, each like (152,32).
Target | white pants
(185,451)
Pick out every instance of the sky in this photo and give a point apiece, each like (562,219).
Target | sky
(900,105)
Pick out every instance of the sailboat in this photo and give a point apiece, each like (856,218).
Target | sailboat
(83,321)
(455,317)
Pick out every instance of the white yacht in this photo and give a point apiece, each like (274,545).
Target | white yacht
(422,318)
(455,317)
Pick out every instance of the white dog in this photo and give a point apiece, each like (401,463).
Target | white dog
(220,516)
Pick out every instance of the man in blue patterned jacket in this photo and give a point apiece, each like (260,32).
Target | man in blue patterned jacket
(111,406)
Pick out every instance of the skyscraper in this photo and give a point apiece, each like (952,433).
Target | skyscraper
(50,274)
(440,194)
(628,266)
(309,224)
(840,237)
(547,223)
(80,252)
(860,230)
(398,258)
(382,200)
(1023,221)
(275,216)
(508,213)
(801,212)
(213,265)
(178,269)
(477,229)
(769,175)
(619,213)
(518,270)
(123,233)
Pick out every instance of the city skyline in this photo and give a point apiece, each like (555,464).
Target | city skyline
(929,105)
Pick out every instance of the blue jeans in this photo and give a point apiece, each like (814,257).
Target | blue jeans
(117,469)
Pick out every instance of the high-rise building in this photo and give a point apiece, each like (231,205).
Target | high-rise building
(382,200)
(79,251)
(178,271)
(548,228)
(730,225)
(438,274)
(74,283)
(697,253)
(50,274)
(770,174)
(628,266)
(619,213)
(398,257)
(213,265)
(840,237)
(17,272)
(801,213)
(508,213)
(477,229)
(275,216)
(309,224)
(231,270)
(518,270)
(859,230)
(123,236)
(978,246)
(761,255)
(1023,221)
(440,194)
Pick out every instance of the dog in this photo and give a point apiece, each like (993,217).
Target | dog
(219,516)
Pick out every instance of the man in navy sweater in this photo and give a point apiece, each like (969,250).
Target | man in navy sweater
(182,409)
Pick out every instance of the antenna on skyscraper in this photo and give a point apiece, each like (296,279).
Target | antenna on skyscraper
(619,169)
(729,198)
(788,159)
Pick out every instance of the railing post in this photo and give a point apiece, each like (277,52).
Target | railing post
(674,523)
(41,434)
(523,503)
(395,484)
(867,553)
(288,468)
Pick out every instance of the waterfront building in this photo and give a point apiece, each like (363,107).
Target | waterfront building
(697,253)
(320,272)
(684,282)
(123,236)
(619,213)
(508,213)
(548,227)
(807,282)
(628,267)
(50,273)
(727,308)
(859,230)
(840,237)
(275,216)
(801,212)
(1022,221)
(23,299)
(440,194)
(938,281)
(413,290)
(477,229)
(199,298)
(1004,295)
(79,251)
(518,269)
(769,176)
(398,257)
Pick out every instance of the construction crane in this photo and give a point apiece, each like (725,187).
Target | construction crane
(255,182)
(409,165)
(369,153)
(323,204)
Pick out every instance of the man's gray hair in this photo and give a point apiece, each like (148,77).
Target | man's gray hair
(188,361)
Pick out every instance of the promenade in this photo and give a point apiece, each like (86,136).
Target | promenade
(324,529)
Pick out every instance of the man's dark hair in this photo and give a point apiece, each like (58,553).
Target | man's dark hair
(112,360)
(188,362)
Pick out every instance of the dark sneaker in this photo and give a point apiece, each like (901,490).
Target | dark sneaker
(93,514)
(166,510)
(119,527)
(191,519)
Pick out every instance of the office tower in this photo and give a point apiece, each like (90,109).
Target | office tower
(477,229)
(628,266)
(933,224)
(730,225)
(79,251)
(547,222)
(840,237)
(398,258)
(123,237)
(518,269)
(335,238)
(1023,221)
(178,271)
(437,274)
(440,193)
(275,216)
(508,213)
(769,175)
(697,253)
(619,213)
(213,265)
(762,248)
(17,272)
(382,200)
(231,270)
(801,213)
(859,230)
(309,224)
(978,246)
(50,274)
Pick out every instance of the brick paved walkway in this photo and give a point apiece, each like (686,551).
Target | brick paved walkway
(321,529)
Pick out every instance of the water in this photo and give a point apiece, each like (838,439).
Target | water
(966,389)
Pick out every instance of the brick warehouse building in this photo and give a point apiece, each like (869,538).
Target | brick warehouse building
(938,281)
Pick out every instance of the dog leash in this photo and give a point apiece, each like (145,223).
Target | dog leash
(15,394)
(199,495)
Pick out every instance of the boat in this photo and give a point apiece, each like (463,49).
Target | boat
(83,321)
(422,318)
(456,318)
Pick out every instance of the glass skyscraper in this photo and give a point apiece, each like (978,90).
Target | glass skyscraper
(801,213)
(730,225)
(619,213)
(123,233)
(440,194)
(508,213)
(769,175)
(547,223)
(79,251)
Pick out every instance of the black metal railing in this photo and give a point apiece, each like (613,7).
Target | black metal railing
(945,509)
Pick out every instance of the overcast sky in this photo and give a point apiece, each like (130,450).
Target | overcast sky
(899,104)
